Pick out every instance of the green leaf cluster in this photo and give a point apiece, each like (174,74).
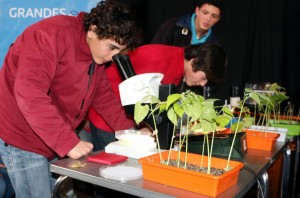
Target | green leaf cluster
(270,102)
(202,115)
(199,111)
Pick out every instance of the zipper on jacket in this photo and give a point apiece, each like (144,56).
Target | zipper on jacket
(90,73)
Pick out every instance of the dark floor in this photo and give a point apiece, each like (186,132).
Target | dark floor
(78,189)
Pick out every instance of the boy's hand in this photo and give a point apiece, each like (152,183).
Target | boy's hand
(80,150)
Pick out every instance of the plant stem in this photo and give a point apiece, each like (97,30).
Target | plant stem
(208,151)
(156,134)
(186,141)
(172,141)
(235,132)
(203,146)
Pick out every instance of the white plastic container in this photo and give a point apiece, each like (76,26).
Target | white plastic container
(133,144)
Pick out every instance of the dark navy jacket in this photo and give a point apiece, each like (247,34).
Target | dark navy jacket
(177,32)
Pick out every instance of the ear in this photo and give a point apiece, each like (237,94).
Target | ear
(197,10)
(188,64)
(91,32)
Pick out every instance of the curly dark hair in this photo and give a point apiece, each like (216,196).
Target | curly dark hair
(114,20)
(210,58)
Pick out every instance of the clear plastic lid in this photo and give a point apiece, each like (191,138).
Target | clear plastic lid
(121,172)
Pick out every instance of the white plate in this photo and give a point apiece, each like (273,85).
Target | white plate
(121,172)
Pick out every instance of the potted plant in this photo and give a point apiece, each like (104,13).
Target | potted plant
(269,107)
(258,139)
(198,173)
(289,122)
(271,100)
(286,120)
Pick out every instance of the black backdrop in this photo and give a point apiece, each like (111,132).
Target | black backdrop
(261,38)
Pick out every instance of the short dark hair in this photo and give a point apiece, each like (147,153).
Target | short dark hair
(210,58)
(217,3)
(114,20)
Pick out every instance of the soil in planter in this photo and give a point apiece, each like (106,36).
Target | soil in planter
(213,171)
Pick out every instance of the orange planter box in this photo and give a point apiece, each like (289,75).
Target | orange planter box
(260,140)
(190,180)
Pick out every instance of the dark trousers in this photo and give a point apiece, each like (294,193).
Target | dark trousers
(101,138)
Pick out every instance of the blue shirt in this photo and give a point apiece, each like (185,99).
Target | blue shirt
(194,39)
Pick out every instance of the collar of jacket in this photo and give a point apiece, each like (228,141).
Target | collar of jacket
(185,21)
(83,52)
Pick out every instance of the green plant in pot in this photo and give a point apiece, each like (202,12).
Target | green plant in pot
(286,126)
(287,121)
(244,119)
(257,138)
(202,116)
(270,102)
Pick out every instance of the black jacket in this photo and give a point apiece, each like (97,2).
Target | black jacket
(177,32)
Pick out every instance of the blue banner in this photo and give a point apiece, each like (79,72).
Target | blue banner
(16,15)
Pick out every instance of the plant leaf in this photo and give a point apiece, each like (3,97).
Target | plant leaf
(208,126)
(227,111)
(223,120)
(254,96)
(172,116)
(154,99)
(172,98)
(140,112)
(178,110)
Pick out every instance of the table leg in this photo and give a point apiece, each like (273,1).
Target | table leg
(264,181)
(285,172)
(297,152)
(60,180)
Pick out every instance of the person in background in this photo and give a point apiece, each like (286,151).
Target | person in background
(197,65)
(192,28)
(51,76)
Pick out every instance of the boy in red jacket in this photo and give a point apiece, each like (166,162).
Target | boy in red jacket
(51,76)
(196,64)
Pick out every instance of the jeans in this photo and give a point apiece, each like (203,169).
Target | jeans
(8,191)
(100,138)
(2,186)
(28,172)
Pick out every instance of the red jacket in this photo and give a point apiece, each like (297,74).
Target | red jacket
(168,60)
(45,91)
